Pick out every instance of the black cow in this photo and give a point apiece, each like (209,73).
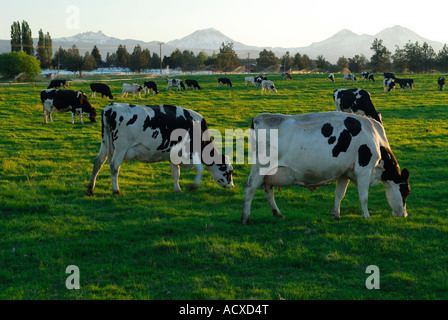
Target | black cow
(150,85)
(405,83)
(65,101)
(355,101)
(101,88)
(225,81)
(57,84)
(192,84)
(441,81)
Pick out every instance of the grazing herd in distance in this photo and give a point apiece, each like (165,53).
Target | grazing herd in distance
(143,133)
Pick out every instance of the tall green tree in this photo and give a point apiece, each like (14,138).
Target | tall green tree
(48,49)
(286,62)
(321,63)
(342,63)
(442,59)
(380,60)
(358,63)
(123,57)
(227,60)
(97,56)
(44,50)
(139,59)
(267,59)
(16,37)
(27,39)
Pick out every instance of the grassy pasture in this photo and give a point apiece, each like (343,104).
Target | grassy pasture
(150,243)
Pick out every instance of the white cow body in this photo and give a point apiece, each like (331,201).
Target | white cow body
(318,148)
(131,88)
(349,76)
(144,133)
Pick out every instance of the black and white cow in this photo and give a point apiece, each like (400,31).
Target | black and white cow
(58,84)
(259,79)
(349,76)
(131,88)
(178,83)
(64,101)
(268,85)
(286,75)
(101,88)
(150,85)
(225,81)
(249,80)
(389,84)
(367,76)
(316,149)
(405,83)
(388,75)
(193,84)
(441,81)
(331,77)
(355,101)
(159,133)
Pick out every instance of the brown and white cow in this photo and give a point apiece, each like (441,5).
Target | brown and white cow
(315,149)
(159,133)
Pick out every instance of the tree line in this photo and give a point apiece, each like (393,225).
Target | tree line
(413,58)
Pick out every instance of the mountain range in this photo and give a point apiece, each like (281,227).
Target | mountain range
(344,43)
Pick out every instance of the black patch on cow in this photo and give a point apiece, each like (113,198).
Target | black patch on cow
(121,119)
(331,140)
(364,155)
(327,130)
(344,140)
(353,125)
(110,116)
(391,171)
(132,120)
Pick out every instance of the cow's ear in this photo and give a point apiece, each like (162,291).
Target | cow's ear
(405,174)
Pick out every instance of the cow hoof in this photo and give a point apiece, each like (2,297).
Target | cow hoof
(89,192)
(336,218)
(117,193)
(192,187)
(247,223)
(277,214)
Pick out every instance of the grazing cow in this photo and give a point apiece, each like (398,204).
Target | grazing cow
(367,76)
(150,85)
(151,134)
(286,75)
(267,85)
(57,84)
(389,84)
(65,101)
(316,149)
(355,101)
(192,84)
(388,75)
(441,81)
(249,80)
(225,81)
(331,77)
(259,79)
(101,88)
(131,88)
(178,83)
(349,76)
(409,83)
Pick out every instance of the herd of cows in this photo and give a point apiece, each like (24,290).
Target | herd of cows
(313,149)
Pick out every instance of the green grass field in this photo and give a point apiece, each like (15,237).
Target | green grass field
(150,243)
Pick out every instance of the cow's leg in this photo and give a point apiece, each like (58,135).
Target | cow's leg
(45,115)
(363,183)
(198,177)
(115,163)
(269,193)
(97,165)
(175,172)
(252,184)
(341,188)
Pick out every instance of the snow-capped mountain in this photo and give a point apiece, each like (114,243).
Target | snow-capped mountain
(344,43)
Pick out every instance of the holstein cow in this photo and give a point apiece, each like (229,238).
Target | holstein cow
(286,75)
(65,101)
(152,134)
(101,88)
(331,77)
(193,84)
(355,101)
(441,81)
(259,79)
(405,83)
(268,85)
(388,75)
(150,85)
(225,81)
(349,76)
(131,88)
(179,84)
(249,80)
(316,149)
(57,84)
(367,76)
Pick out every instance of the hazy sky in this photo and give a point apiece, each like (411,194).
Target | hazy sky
(270,23)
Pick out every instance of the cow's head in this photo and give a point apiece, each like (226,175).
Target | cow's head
(396,183)
(222,172)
